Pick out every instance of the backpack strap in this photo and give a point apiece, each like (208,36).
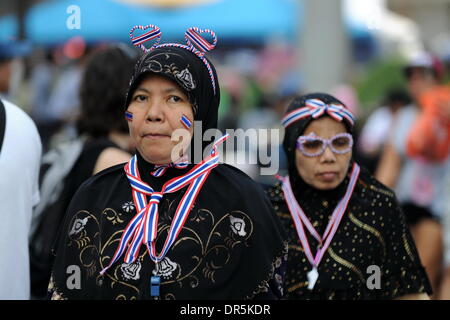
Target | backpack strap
(2,123)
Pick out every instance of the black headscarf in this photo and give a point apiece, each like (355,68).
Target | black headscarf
(191,73)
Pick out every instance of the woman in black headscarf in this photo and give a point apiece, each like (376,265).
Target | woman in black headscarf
(161,228)
(348,236)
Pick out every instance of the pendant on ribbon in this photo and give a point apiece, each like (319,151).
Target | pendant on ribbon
(313,275)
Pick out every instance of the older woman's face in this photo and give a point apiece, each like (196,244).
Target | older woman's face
(328,170)
(157,106)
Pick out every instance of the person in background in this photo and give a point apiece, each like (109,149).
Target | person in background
(10,53)
(342,223)
(417,180)
(20,157)
(101,121)
(63,107)
(103,142)
(42,77)
(375,131)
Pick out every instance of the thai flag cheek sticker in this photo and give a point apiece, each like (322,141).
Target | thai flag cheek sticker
(185,122)
(128,116)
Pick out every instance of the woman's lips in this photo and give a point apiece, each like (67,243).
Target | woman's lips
(155,136)
(327,176)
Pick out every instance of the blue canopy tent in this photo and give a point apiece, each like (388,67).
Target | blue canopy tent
(236,22)
(8,28)
(249,20)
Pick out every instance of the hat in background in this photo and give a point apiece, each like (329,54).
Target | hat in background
(13,49)
(425,60)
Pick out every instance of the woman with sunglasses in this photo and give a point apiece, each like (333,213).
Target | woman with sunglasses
(348,235)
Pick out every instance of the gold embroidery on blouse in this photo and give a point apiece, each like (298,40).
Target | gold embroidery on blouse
(406,245)
(206,250)
(56,295)
(77,233)
(123,297)
(95,250)
(370,229)
(295,247)
(284,215)
(169,296)
(90,265)
(276,263)
(345,263)
(112,215)
(92,250)
(297,286)
(385,192)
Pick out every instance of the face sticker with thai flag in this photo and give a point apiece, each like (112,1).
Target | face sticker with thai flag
(185,122)
(128,116)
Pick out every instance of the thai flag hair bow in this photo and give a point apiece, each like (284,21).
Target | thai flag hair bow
(315,108)
(196,42)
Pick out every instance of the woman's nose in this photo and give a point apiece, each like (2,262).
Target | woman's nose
(328,155)
(155,111)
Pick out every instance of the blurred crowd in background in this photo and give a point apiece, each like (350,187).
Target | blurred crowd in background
(396,83)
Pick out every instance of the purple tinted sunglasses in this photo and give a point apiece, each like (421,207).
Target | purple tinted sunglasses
(313,146)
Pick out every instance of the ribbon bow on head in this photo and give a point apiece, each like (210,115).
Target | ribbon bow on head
(153,34)
(315,108)
(196,42)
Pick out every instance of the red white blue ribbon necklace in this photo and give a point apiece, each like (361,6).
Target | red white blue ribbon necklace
(301,219)
(160,169)
(143,227)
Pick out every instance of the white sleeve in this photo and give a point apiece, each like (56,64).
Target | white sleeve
(37,167)
(374,132)
(400,129)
